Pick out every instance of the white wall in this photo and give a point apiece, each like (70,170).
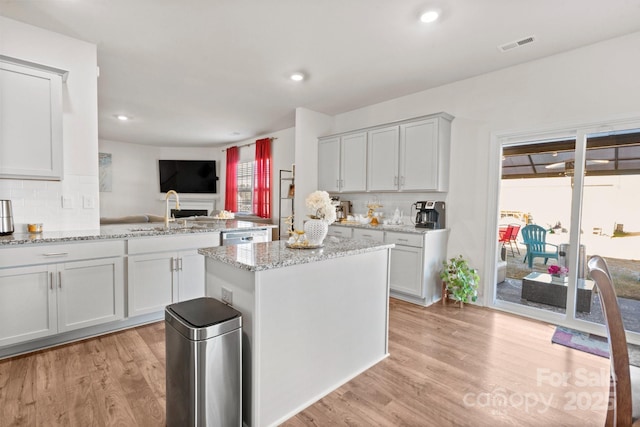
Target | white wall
(135,182)
(588,84)
(309,126)
(40,201)
(282,157)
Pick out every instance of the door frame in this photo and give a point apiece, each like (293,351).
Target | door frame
(578,131)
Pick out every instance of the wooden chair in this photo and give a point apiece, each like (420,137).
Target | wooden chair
(621,402)
(535,239)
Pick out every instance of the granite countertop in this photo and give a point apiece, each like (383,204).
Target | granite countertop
(270,255)
(129,231)
(402,228)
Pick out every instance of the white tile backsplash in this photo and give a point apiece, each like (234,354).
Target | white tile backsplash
(35,201)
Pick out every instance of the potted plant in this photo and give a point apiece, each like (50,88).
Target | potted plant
(461,280)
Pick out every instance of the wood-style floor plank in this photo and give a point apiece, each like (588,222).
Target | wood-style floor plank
(447,367)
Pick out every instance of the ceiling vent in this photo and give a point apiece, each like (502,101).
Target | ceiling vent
(512,45)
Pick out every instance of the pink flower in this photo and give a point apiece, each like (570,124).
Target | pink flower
(558,270)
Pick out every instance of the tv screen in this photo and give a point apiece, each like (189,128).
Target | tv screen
(188,176)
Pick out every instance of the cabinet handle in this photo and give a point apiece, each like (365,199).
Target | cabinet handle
(403,240)
(337,183)
(51,281)
(60,279)
(179,264)
(56,254)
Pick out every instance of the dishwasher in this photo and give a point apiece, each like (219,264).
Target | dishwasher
(248,236)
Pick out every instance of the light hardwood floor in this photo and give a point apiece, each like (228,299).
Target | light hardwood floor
(448,367)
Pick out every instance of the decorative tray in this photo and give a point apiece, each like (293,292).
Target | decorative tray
(302,246)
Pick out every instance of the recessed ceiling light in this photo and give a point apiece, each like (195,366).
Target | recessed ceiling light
(122,117)
(297,77)
(429,16)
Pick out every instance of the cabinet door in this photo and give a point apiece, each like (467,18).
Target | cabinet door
(150,282)
(329,164)
(419,155)
(364,233)
(90,293)
(339,231)
(190,276)
(353,162)
(406,270)
(27,304)
(383,159)
(31,117)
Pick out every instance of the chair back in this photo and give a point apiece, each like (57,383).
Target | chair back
(506,234)
(620,404)
(535,237)
(515,231)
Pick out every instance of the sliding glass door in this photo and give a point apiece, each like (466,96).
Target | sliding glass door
(563,198)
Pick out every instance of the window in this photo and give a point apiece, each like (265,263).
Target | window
(245,186)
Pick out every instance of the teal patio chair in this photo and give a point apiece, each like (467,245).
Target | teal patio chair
(535,239)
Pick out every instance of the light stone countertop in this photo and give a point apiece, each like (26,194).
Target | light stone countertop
(266,256)
(129,231)
(403,228)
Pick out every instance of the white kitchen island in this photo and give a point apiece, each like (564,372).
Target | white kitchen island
(312,319)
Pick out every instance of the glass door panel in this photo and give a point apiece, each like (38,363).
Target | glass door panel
(534,224)
(611,219)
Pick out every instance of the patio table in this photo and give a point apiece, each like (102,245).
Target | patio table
(546,289)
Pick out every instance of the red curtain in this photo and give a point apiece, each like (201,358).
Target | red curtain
(262,179)
(231,189)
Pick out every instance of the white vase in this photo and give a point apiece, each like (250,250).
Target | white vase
(316,230)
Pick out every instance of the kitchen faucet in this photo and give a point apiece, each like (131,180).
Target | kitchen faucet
(167,219)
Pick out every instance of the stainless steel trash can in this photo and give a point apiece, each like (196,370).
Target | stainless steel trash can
(203,340)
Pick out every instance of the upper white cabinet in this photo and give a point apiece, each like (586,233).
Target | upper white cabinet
(342,163)
(411,155)
(31,120)
(383,159)
(424,155)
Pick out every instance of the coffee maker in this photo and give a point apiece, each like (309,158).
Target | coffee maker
(430,214)
(343,210)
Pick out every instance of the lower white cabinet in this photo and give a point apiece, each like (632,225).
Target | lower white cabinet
(158,279)
(416,260)
(42,300)
(166,269)
(406,270)
(89,293)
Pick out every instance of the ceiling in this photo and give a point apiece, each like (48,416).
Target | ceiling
(210,72)
(614,154)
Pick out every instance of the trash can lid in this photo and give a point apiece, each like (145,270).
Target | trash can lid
(203,312)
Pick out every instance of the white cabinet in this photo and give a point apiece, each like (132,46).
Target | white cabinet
(342,163)
(329,164)
(365,233)
(27,304)
(42,300)
(416,262)
(90,293)
(411,155)
(339,231)
(159,279)
(383,159)
(166,276)
(424,155)
(31,118)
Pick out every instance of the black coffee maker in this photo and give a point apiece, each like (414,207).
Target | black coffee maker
(430,215)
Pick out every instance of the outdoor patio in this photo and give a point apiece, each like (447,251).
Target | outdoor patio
(624,272)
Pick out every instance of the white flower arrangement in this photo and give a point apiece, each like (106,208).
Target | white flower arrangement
(320,206)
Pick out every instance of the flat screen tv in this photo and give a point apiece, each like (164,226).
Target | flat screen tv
(188,176)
